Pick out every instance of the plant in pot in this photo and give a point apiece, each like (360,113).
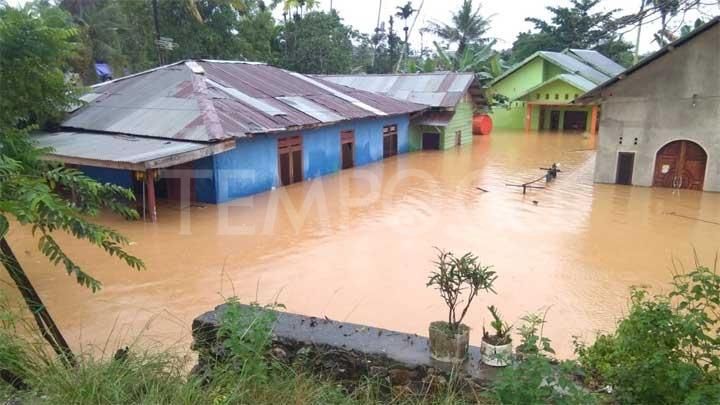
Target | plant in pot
(496,348)
(459,280)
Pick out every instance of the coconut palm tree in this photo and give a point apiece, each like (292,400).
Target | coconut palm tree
(404,13)
(467,27)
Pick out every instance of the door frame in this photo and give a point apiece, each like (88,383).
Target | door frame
(693,140)
(617,168)
(347,136)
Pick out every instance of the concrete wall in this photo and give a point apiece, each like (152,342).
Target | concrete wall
(673,98)
(252,167)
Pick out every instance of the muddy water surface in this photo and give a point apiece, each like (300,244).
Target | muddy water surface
(358,246)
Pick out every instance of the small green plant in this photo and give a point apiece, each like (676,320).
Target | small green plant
(501,328)
(459,280)
(536,378)
(246,333)
(667,349)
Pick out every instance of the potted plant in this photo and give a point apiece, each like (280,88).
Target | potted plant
(496,348)
(459,280)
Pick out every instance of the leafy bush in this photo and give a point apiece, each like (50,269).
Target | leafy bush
(666,351)
(536,378)
(456,277)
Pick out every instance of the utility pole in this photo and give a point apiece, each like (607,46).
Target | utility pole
(157,31)
(636,56)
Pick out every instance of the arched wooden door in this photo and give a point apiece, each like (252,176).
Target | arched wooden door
(680,164)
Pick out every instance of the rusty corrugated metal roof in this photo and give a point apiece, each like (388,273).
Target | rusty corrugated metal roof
(438,89)
(207,101)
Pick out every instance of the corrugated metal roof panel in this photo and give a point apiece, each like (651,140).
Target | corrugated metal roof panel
(439,89)
(598,61)
(214,100)
(312,109)
(119,149)
(573,65)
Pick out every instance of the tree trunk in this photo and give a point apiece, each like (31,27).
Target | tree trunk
(45,323)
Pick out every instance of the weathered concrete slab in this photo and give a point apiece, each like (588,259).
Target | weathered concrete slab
(375,347)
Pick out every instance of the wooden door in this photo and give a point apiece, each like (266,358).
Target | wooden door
(390,141)
(290,160)
(431,141)
(180,176)
(458,138)
(680,164)
(626,163)
(347,149)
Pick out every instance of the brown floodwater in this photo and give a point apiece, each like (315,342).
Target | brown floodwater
(358,246)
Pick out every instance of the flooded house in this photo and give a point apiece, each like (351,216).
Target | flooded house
(540,91)
(451,97)
(661,118)
(211,131)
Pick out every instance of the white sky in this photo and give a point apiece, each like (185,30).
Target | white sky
(508,16)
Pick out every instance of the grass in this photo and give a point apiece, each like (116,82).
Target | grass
(145,377)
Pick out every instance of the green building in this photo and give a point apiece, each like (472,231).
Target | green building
(451,99)
(541,90)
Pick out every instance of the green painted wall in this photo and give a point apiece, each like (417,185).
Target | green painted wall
(461,121)
(557,92)
(415,137)
(551,70)
(528,76)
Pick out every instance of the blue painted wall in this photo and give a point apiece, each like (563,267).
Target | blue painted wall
(120,177)
(252,167)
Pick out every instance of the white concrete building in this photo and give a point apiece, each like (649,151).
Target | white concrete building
(660,120)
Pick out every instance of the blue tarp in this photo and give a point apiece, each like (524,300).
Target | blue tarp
(103,71)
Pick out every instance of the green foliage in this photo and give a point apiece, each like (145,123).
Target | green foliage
(577,26)
(33,191)
(35,47)
(246,333)
(667,349)
(535,378)
(458,277)
(468,26)
(318,42)
(502,329)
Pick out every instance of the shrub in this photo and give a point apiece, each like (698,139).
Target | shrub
(667,349)
(536,378)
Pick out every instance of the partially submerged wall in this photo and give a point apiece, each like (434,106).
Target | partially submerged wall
(676,97)
(346,351)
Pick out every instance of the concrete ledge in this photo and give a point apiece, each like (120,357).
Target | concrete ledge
(350,350)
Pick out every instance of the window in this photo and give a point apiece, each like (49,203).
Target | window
(290,159)
(537,96)
(567,96)
(577,95)
(547,96)
(458,138)
(390,141)
(557,96)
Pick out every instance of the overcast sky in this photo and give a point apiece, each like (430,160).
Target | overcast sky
(508,16)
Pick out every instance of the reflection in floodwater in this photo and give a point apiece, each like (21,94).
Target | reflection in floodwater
(358,245)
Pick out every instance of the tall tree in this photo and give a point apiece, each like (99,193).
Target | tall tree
(468,26)
(318,42)
(36,47)
(577,26)
(404,13)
